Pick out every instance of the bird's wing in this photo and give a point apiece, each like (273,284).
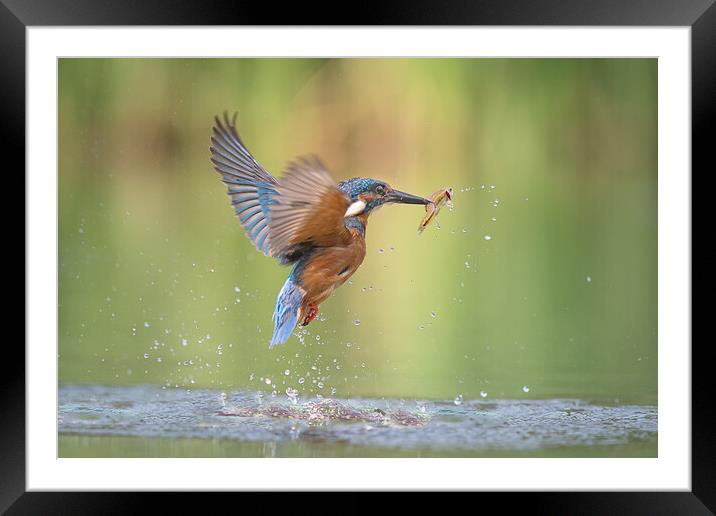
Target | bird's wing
(250,186)
(309,209)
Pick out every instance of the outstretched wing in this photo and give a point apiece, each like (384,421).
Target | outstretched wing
(250,186)
(308,210)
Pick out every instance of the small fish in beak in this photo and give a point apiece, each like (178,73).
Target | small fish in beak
(439,199)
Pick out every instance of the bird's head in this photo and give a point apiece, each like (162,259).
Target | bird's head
(368,194)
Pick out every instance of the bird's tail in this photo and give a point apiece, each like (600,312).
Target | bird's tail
(285,316)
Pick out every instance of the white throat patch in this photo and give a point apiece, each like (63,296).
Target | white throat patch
(355,209)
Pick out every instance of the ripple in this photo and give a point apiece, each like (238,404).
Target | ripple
(517,425)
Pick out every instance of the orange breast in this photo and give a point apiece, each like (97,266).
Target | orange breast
(329,267)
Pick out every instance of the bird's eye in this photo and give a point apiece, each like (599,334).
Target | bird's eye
(380,190)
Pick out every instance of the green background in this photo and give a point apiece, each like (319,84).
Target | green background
(554,159)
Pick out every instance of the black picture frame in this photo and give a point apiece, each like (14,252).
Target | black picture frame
(17,15)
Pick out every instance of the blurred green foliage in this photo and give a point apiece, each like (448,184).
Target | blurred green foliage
(542,282)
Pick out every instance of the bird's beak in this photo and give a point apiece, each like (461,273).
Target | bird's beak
(405,198)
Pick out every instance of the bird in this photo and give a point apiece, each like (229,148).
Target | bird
(304,219)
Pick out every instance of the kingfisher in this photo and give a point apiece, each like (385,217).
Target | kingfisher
(304,219)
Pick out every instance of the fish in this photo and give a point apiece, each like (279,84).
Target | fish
(439,199)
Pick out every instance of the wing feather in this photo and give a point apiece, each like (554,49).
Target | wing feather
(283,218)
(249,185)
(308,209)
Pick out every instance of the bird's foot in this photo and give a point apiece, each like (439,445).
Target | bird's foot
(311,315)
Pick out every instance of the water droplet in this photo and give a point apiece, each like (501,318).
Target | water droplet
(487,237)
(357,322)
(184,342)
(287,372)
(525,388)
(146,324)
(458,399)
(381,250)
(146,355)
(320,385)
(464,230)
(589,279)
(301,380)
(237,289)
(483,394)
(433,314)
(421,327)
(267,381)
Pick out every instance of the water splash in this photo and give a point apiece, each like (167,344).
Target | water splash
(380,424)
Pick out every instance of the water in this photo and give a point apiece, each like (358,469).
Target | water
(150,421)
(132,250)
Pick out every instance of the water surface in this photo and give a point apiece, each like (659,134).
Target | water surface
(148,421)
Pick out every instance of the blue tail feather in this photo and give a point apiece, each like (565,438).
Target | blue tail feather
(285,316)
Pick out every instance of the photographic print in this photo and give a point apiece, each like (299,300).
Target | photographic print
(357,257)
